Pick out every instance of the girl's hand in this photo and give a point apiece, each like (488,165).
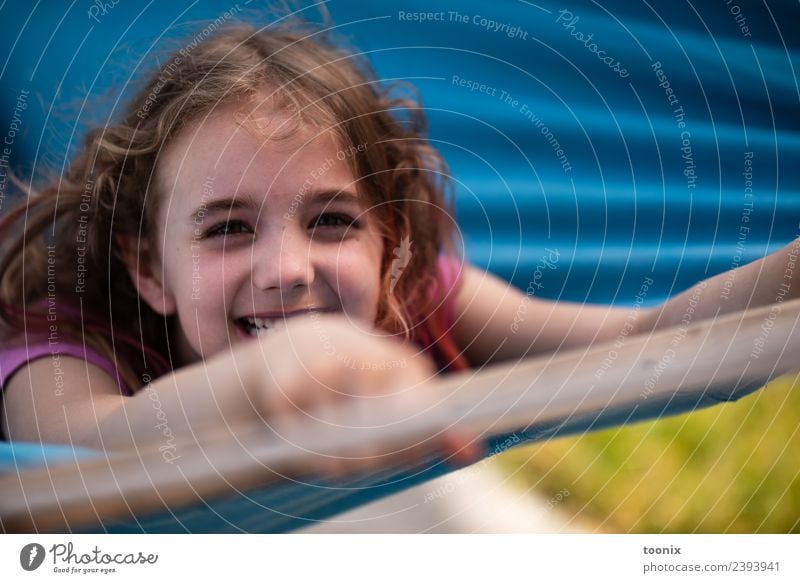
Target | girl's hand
(326,372)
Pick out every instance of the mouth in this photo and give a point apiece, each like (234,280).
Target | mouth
(256,327)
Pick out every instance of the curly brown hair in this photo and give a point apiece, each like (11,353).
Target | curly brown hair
(66,250)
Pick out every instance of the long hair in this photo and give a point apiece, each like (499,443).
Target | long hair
(64,259)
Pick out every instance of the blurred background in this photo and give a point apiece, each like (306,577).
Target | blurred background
(635,140)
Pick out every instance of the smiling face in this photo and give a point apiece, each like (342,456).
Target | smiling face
(252,230)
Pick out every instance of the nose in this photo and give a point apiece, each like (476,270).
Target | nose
(282,262)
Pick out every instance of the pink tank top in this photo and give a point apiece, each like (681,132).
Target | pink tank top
(12,359)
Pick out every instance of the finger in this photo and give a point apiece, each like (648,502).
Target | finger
(463,448)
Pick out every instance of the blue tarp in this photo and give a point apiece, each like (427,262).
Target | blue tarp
(631,140)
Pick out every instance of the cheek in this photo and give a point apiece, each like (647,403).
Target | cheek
(206,283)
(359,284)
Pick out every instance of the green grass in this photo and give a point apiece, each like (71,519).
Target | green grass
(729,468)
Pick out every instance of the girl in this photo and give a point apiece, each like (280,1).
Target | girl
(264,231)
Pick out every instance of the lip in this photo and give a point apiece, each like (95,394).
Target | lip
(274,315)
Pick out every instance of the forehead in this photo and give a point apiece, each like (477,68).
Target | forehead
(253,148)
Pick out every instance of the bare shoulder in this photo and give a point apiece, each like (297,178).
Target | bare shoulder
(497,321)
(46,402)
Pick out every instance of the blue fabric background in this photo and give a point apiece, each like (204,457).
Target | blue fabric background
(623,213)
(624,210)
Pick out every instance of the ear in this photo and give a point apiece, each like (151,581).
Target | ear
(145,273)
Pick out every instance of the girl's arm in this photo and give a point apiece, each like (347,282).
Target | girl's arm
(767,281)
(305,367)
(88,409)
(496,321)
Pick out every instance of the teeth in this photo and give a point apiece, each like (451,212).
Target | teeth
(261,326)
(260,322)
(258,332)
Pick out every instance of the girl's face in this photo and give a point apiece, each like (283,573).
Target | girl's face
(253,231)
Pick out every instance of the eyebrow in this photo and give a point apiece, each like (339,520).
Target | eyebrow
(246,202)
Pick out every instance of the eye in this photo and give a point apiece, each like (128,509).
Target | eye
(226,228)
(334,220)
